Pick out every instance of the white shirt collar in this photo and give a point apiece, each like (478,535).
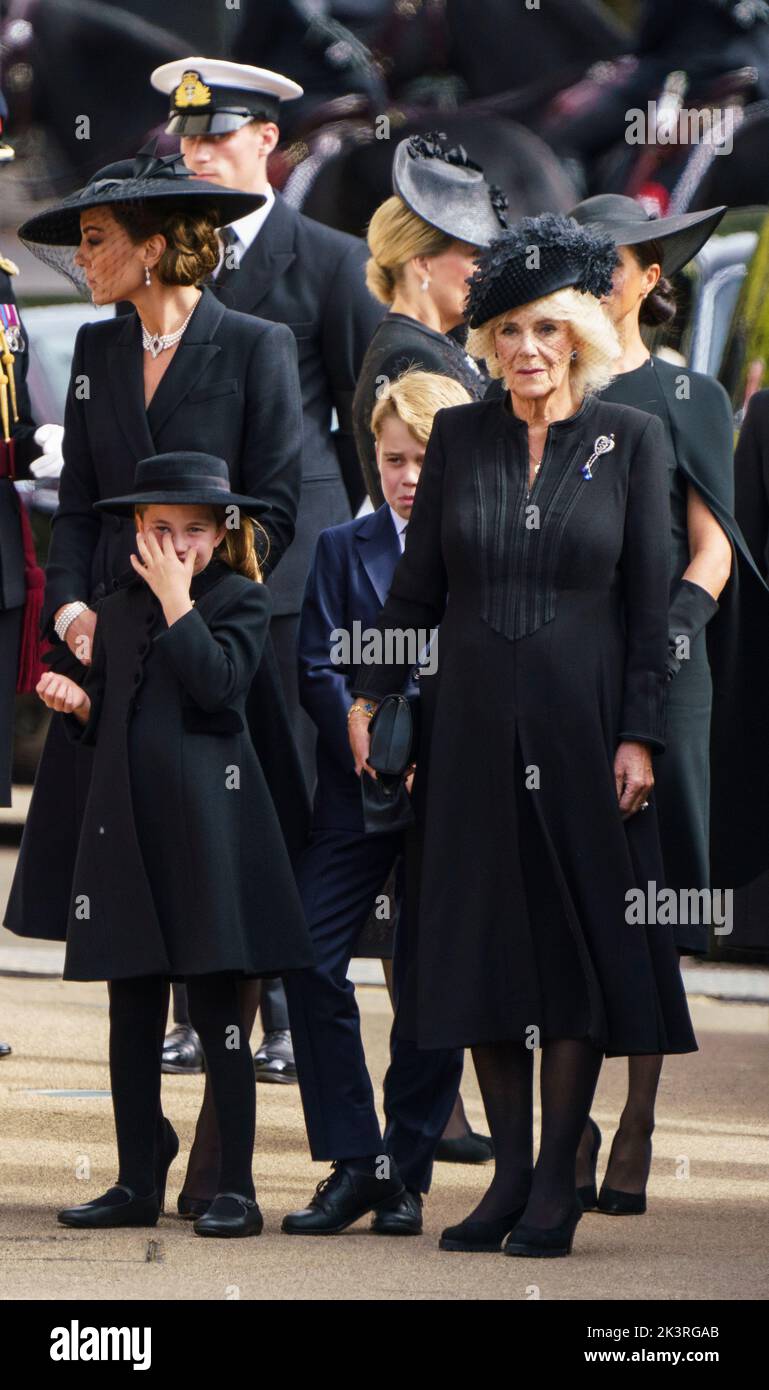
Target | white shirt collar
(400,526)
(249,227)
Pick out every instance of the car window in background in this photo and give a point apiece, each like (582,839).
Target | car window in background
(52,329)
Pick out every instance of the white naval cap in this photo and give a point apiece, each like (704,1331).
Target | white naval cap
(210,96)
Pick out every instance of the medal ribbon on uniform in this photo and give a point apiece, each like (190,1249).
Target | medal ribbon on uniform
(9,319)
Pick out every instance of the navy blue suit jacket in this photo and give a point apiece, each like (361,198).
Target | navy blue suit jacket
(350,577)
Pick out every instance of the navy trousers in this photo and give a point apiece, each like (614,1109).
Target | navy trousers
(339,876)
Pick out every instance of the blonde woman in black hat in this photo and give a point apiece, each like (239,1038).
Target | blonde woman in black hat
(178,372)
(179,837)
(538,548)
(698,441)
(423,243)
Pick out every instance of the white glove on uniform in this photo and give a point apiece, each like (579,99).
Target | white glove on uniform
(51,461)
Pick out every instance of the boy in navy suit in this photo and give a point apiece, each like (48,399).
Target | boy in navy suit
(343,870)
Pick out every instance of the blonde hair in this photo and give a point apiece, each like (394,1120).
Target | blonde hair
(415,398)
(595,338)
(238,546)
(395,234)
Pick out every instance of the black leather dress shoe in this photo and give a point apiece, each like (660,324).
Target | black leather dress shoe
(343,1198)
(402,1219)
(118,1206)
(274,1058)
(5,1049)
(469,1148)
(182,1051)
(230,1215)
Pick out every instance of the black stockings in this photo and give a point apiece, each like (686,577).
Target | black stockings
(631,1150)
(138,1010)
(568,1076)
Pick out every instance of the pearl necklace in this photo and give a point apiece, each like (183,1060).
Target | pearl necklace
(155,343)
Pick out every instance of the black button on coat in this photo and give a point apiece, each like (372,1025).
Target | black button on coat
(181,867)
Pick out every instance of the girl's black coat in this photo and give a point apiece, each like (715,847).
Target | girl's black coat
(181,867)
(552,646)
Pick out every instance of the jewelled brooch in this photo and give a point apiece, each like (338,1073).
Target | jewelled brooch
(603,445)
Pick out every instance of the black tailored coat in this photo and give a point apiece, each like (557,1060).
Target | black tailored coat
(231,390)
(181,866)
(311,278)
(401,342)
(13,589)
(552,641)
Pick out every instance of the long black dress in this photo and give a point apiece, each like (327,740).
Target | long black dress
(552,608)
(400,342)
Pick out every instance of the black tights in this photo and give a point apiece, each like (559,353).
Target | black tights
(138,1010)
(568,1077)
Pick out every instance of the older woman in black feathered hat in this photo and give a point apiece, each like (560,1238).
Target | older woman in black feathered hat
(538,545)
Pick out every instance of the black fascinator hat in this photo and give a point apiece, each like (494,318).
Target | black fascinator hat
(536,257)
(447,189)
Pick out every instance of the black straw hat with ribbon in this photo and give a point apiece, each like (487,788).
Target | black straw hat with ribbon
(448,190)
(181,478)
(536,257)
(629,224)
(149,177)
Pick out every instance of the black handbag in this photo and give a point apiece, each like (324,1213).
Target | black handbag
(394,734)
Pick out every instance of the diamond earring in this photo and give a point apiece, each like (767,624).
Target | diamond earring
(147,276)
(425,284)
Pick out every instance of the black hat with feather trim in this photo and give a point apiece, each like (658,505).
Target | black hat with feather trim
(536,257)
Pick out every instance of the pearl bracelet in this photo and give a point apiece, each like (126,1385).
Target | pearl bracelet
(69,612)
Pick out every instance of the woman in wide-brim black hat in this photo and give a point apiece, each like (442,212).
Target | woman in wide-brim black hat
(179,371)
(423,243)
(537,546)
(698,428)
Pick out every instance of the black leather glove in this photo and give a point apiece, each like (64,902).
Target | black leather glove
(691,608)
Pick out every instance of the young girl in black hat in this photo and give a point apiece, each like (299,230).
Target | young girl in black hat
(180,838)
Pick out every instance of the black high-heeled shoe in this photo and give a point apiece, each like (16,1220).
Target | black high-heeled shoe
(480,1236)
(532,1242)
(118,1206)
(588,1195)
(612,1201)
(164,1157)
(220,1220)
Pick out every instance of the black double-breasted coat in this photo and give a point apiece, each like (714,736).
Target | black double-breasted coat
(311,277)
(231,390)
(181,866)
(13,589)
(551,608)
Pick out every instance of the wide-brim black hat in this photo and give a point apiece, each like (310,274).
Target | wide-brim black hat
(448,190)
(182,478)
(161,180)
(629,224)
(536,257)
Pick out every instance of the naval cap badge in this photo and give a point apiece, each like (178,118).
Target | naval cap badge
(192,91)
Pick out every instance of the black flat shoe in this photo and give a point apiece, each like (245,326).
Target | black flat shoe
(118,1206)
(191,1207)
(230,1215)
(612,1202)
(402,1219)
(588,1195)
(481,1236)
(164,1158)
(341,1199)
(532,1242)
(469,1148)
(274,1058)
(182,1051)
